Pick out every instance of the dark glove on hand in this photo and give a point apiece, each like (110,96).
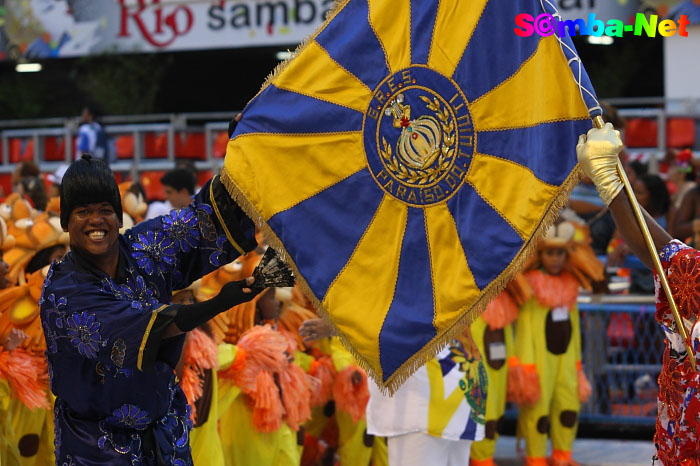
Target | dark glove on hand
(191,316)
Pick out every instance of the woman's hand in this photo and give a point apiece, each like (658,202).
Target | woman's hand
(315,329)
(14,339)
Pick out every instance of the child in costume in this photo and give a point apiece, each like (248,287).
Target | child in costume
(548,346)
(492,332)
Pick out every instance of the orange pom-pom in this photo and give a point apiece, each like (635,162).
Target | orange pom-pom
(200,351)
(350,391)
(267,406)
(265,350)
(200,354)
(500,312)
(523,386)
(296,396)
(323,370)
(191,385)
(27,375)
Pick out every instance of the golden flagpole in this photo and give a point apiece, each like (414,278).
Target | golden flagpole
(598,123)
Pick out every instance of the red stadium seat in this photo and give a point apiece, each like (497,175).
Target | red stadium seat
(680,133)
(203,177)
(150,180)
(54,149)
(125,146)
(220,143)
(15,150)
(5,184)
(156,145)
(190,145)
(641,132)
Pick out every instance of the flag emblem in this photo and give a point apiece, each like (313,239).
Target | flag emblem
(418,136)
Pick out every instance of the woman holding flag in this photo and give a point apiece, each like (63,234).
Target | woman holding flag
(678,417)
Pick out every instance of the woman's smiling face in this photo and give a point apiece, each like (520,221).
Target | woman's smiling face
(94,230)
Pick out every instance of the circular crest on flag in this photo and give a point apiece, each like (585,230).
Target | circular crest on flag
(418,136)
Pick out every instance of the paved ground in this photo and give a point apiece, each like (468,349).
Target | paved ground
(588,452)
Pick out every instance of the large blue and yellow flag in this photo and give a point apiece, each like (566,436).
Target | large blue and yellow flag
(406,159)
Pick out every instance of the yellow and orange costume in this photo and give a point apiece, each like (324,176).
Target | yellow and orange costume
(548,348)
(492,333)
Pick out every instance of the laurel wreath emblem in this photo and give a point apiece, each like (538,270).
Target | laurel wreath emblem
(447,151)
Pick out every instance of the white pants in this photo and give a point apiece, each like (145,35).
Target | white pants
(421,449)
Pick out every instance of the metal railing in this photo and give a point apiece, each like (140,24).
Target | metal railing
(209,123)
(36,132)
(622,350)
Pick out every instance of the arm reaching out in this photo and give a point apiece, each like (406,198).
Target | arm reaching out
(598,156)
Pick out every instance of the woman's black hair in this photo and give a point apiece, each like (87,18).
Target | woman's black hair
(87,181)
(659,198)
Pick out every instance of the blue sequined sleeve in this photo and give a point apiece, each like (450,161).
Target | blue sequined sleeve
(177,249)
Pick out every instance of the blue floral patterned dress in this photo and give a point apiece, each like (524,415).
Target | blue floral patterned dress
(117,399)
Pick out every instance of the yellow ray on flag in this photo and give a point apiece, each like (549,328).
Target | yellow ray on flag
(449,267)
(448,47)
(391,22)
(524,202)
(353,296)
(311,160)
(335,84)
(535,94)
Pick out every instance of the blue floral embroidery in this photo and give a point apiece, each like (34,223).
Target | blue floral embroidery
(136,289)
(131,417)
(51,337)
(47,282)
(154,252)
(216,257)
(57,308)
(181,225)
(206,224)
(84,332)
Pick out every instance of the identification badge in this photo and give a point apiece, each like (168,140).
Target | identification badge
(560,314)
(497,351)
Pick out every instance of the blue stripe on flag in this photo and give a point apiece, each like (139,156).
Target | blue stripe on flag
(469,430)
(489,242)
(423,13)
(494,51)
(408,324)
(277,110)
(350,41)
(550,145)
(343,212)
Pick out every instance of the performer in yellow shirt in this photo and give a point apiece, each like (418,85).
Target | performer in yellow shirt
(548,346)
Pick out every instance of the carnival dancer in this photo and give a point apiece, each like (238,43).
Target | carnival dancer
(492,332)
(347,397)
(548,346)
(110,330)
(272,394)
(676,436)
